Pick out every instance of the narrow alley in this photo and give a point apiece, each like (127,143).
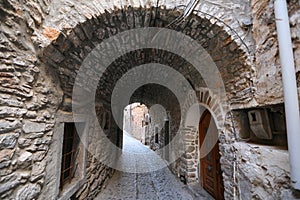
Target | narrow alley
(208,90)
(160,184)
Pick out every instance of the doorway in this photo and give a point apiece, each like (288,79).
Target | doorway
(210,168)
(135,123)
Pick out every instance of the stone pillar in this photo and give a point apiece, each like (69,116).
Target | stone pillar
(190,158)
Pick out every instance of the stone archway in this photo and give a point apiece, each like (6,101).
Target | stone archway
(220,113)
(204,97)
(45,42)
(67,52)
(207,101)
(72,45)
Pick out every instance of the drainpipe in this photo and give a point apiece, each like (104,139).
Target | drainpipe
(290,89)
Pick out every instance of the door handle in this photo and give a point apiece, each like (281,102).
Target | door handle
(209,168)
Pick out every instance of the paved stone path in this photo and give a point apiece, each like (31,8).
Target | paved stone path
(160,184)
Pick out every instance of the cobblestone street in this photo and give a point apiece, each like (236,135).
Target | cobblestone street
(159,184)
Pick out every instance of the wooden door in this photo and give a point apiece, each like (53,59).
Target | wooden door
(210,173)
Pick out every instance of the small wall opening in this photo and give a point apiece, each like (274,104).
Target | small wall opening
(265,125)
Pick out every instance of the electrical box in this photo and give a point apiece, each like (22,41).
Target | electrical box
(260,124)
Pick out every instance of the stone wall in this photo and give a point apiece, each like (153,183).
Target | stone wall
(29,100)
(262,172)
(250,170)
(100,153)
(261,167)
(30,97)
(191,160)
(187,167)
(268,72)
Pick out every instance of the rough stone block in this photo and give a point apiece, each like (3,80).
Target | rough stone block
(8,186)
(11,112)
(6,154)
(6,126)
(5,164)
(31,127)
(8,141)
(22,142)
(10,102)
(28,192)
(25,157)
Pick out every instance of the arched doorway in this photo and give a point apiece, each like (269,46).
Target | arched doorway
(210,168)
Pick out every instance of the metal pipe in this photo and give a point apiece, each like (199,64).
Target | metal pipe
(290,89)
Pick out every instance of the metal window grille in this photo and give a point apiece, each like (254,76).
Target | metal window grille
(69,148)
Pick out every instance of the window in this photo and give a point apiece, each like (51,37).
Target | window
(69,152)
(265,125)
(156,134)
(67,160)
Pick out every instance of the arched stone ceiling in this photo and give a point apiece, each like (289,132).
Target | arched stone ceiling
(145,56)
(151,94)
(67,52)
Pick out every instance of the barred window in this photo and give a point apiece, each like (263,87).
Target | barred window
(70,147)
